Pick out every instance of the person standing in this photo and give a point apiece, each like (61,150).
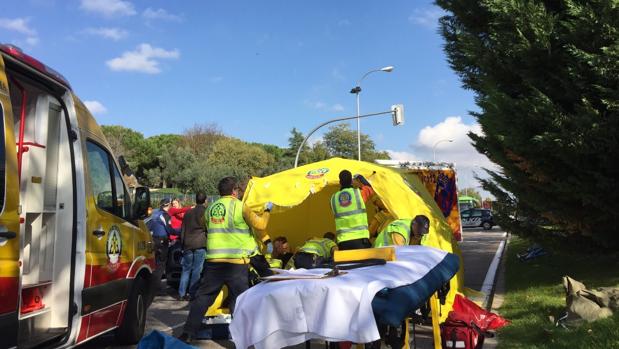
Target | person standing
(161,230)
(193,243)
(177,212)
(229,245)
(351,220)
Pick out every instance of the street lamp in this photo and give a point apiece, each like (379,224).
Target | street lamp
(396,112)
(356,90)
(437,143)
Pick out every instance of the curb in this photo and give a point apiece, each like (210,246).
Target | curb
(489,284)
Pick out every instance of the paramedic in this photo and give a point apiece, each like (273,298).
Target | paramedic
(351,220)
(229,245)
(315,252)
(403,232)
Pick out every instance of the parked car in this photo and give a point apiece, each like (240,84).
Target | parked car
(477,217)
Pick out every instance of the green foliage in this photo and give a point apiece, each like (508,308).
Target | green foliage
(534,293)
(546,75)
(472,192)
(341,141)
(202,155)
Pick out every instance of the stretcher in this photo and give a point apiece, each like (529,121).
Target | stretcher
(342,308)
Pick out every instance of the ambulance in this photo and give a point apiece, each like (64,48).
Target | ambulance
(75,256)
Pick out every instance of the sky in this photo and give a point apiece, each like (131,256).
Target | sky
(257,69)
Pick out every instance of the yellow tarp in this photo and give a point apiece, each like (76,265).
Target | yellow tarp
(302,204)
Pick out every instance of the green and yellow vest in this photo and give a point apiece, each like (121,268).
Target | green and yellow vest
(319,247)
(351,220)
(399,226)
(228,235)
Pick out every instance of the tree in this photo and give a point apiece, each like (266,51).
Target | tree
(472,192)
(546,75)
(341,141)
(247,160)
(200,139)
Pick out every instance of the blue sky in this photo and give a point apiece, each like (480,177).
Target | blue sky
(255,68)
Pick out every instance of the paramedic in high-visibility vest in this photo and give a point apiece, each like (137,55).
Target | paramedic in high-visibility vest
(229,246)
(403,232)
(315,252)
(351,220)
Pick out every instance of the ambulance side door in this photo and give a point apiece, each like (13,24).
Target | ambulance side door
(110,241)
(9,220)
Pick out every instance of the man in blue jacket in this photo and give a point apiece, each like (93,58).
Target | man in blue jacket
(160,228)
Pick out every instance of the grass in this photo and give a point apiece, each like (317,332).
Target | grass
(534,292)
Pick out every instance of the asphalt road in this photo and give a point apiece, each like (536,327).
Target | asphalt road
(168,315)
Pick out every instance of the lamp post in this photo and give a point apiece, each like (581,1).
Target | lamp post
(437,143)
(356,90)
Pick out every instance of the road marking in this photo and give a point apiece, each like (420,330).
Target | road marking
(488,284)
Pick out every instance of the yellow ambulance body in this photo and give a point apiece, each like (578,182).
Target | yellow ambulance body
(75,256)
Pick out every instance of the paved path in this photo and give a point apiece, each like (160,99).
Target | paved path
(168,315)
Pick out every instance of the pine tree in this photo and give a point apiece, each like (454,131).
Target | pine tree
(546,78)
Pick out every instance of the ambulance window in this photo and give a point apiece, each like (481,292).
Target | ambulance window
(100,179)
(123,201)
(2,159)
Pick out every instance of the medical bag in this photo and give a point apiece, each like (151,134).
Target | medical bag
(458,334)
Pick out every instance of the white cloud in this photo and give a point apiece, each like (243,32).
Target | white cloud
(95,107)
(320,105)
(19,25)
(402,155)
(427,17)
(108,33)
(108,8)
(155,14)
(337,107)
(144,59)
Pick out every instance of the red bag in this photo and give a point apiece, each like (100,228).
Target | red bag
(457,334)
(467,325)
(468,312)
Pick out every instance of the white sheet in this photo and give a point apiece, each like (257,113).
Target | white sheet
(283,313)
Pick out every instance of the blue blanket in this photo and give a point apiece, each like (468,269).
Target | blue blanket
(392,306)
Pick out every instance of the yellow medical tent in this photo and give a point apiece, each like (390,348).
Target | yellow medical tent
(302,204)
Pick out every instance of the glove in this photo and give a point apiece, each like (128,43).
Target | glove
(268,206)
(269,248)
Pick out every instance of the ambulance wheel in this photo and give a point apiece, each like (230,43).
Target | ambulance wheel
(487,226)
(132,328)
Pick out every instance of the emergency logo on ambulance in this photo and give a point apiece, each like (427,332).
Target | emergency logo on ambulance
(114,245)
(345,199)
(317,173)
(217,213)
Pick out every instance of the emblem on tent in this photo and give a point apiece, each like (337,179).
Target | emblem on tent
(317,173)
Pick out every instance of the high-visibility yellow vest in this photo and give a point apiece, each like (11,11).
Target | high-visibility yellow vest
(351,220)
(399,226)
(319,247)
(228,235)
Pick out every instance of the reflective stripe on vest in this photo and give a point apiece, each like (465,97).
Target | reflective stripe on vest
(228,235)
(400,226)
(351,220)
(320,247)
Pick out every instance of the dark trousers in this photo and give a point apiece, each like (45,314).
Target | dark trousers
(235,276)
(354,244)
(307,260)
(161,251)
